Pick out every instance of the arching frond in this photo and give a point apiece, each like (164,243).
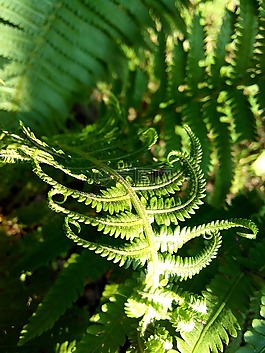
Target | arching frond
(109,328)
(51,54)
(127,210)
(170,240)
(223,316)
(49,311)
(135,253)
(143,218)
(187,267)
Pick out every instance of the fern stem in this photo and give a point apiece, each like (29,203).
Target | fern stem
(153,263)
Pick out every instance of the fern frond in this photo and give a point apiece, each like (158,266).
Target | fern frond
(221,139)
(177,73)
(259,57)
(247,31)
(255,338)
(195,74)
(170,240)
(132,209)
(113,199)
(135,253)
(196,54)
(193,116)
(242,114)
(160,182)
(195,145)
(117,18)
(224,225)
(224,312)
(159,341)
(76,271)
(220,50)
(66,347)
(49,57)
(109,328)
(124,225)
(209,335)
(223,144)
(170,210)
(9,156)
(142,216)
(187,267)
(103,179)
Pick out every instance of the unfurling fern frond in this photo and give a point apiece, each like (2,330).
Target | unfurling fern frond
(138,210)
(187,267)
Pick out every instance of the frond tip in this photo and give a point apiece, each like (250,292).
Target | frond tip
(187,267)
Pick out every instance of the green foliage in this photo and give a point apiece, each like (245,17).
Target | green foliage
(50,54)
(48,312)
(111,325)
(143,208)
(107,86)
(224,317)
(255,338)
(154,55)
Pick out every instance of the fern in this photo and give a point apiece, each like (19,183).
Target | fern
(255,338)
(142,209)
(49,311)
(212,90)
(66,347)
(50,52)
(111,326)
(119,201)
(247,30)
(224,317)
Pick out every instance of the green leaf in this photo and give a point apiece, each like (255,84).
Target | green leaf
(65,291)
(196,54)
(244,119)
(224,312)
(220,50)
(50,52)
(222,142)
(255,338)
(110,327)
(247,31)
